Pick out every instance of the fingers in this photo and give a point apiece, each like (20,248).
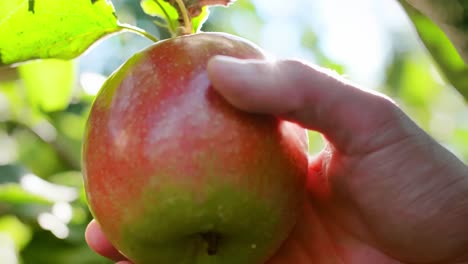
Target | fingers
(98,242)
(313,97)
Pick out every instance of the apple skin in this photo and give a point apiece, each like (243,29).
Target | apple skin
(174,174)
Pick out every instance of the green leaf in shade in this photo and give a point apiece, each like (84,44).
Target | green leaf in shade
(11,173)
(441,48)
(38,156)
(48,83)
(165,11)
(32,29)
(20,233)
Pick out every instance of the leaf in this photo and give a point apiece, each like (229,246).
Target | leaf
(33,29)
(451,16)
(48,83)
(166,11)
(460,138)
(38,156)
(417,86)
(441,48)
(11,173)
(15,103)
(17,108)
(13,193)
(198,21)
(20,233)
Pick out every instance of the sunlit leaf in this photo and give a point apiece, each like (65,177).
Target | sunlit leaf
(31,29)
(461,139)
(418,86)
(198,21)
(164,10)
(20,233)
(411,81)
(13,193)
(450,15)
(440,46)
(48,83)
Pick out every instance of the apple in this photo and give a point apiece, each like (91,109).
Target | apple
(175,174)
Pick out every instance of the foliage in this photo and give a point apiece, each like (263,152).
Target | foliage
(442,50)
(52,28)
(44,104)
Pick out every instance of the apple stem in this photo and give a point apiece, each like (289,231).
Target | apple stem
(139,31)
(187,28)
(212,242)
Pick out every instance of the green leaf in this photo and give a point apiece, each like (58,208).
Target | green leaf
(163,10)
(38,156)
(417,86)
(460,139)
(20,233)
(48,83)
(15,103)
(441,48)
(450,15)
(11,173)
(13,193)
(198,21)
(32,29)
(17,108)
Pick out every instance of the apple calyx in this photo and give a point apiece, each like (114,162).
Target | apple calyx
(211,241)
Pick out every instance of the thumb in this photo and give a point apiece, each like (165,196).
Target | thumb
(351,118)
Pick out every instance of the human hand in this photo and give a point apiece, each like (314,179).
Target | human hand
(382,191)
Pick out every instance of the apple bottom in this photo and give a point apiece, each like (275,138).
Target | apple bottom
(222,224)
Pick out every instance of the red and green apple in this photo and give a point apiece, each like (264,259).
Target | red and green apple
(175,174)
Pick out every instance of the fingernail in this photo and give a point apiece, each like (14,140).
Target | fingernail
(229,65)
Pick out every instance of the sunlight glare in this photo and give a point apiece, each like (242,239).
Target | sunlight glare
(7,250)
(50,191)
(52,223)
(92,82)
(63,211)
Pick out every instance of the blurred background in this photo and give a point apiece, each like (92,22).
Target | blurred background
(44,105)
